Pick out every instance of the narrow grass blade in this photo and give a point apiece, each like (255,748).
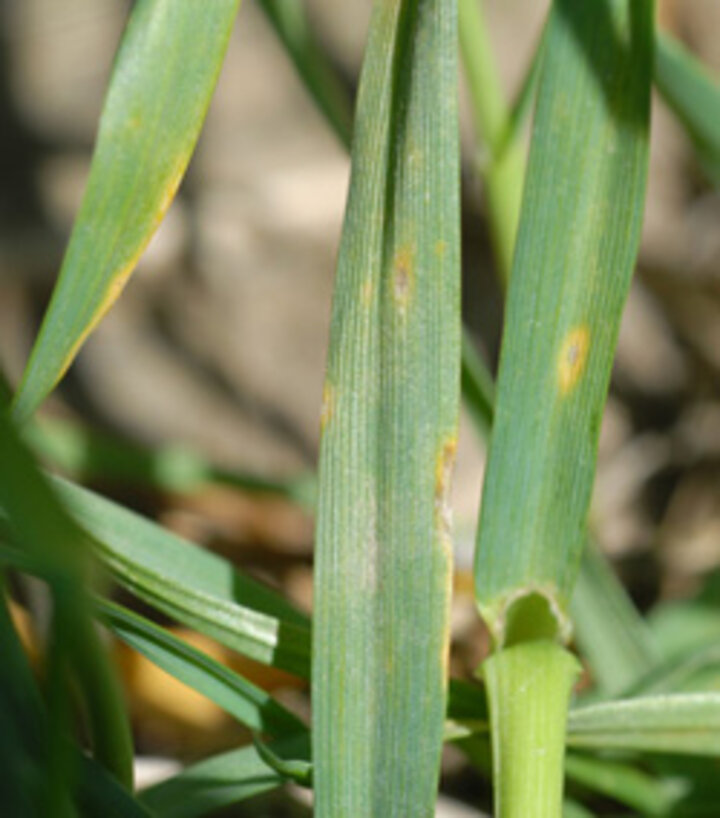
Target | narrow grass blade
(681,625)
(191,585)
(577,243)
(477,387)
(694,671)
(244,701)
(503,164)
(383,555)
(572,809)
(100,796)
(22,720)
(86,455)
(163,79)
(524,100)
(679,724)
(609,630)
(39,523)
(320,77)
(694,96)
(219,782)
(636,789)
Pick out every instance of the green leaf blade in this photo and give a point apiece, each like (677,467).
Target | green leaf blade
(390,422)
(687,724)
(161,86)
(38,522)
(191,585)
(244,701)
(576,249)
(219,781)
(609,630)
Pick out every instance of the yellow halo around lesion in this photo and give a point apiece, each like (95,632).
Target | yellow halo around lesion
(572,359)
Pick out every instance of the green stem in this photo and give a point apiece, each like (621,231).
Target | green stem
(529,686)
(503,164)
(321,78)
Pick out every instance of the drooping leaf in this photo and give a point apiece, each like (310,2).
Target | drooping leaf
(191,585)
(609,630)
(219,782)
(680,723)
(390,417)
(164,76)
(696,670)
(648,795)
(249,704)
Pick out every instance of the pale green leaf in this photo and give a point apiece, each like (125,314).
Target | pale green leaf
(529,687)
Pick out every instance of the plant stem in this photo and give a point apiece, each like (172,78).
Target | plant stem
(529,686)
(502,162)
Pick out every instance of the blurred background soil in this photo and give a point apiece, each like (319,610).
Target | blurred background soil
(218,343)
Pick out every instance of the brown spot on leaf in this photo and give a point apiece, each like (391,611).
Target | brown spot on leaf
(573,358)
(328,405)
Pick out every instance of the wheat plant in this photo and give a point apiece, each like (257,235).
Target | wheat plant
(565,219)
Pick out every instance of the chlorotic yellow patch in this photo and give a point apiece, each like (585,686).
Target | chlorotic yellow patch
(328,405)
(403,276)
(573,358)
(366,292)
(443,475)
(444,463)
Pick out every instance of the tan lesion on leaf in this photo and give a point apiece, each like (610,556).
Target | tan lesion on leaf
(572,360)
(444,463)
(443,480)
(403,277)
(328,405)
(367,291)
